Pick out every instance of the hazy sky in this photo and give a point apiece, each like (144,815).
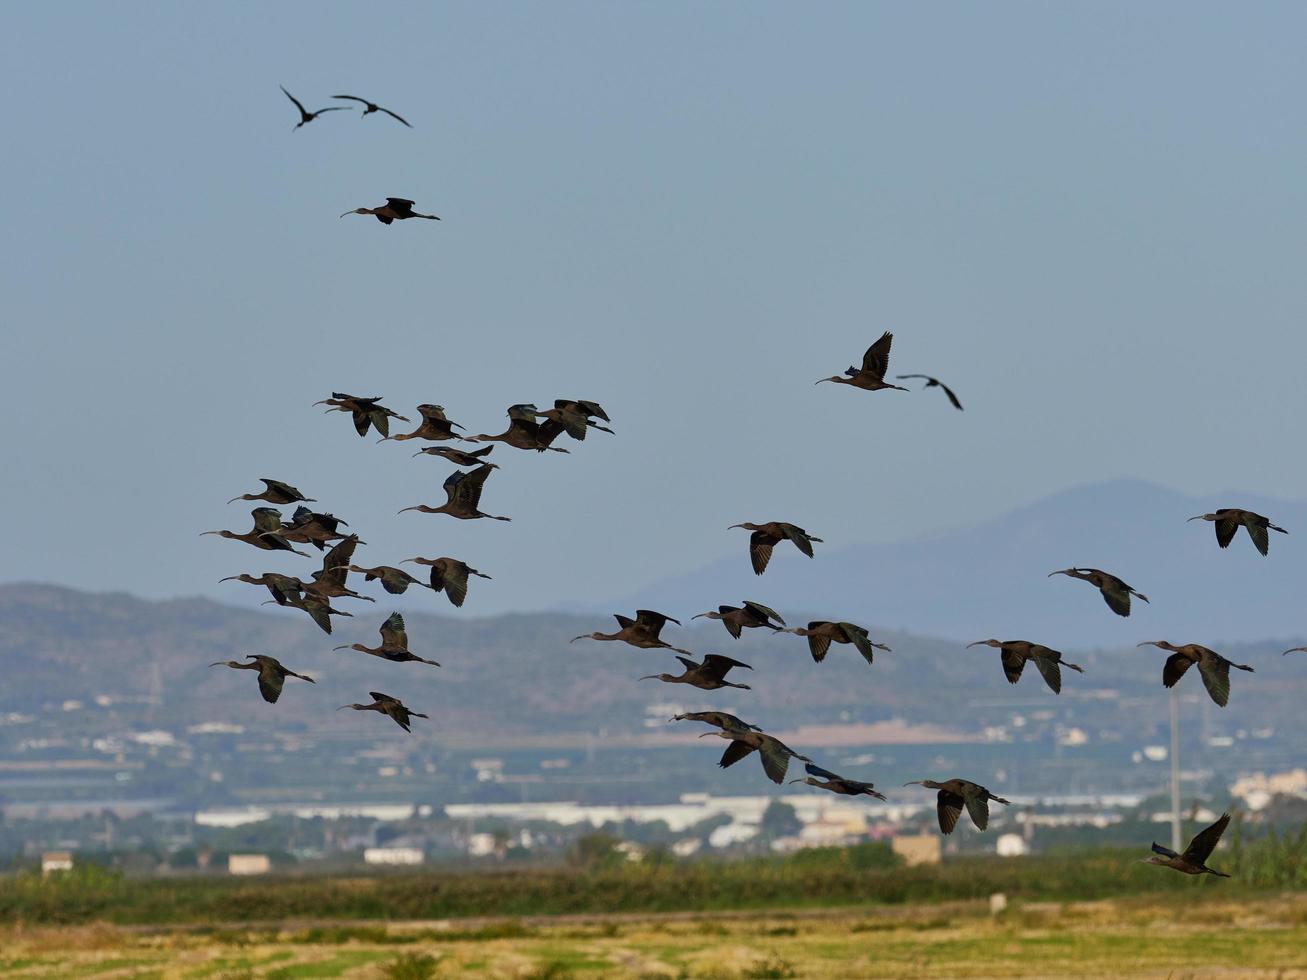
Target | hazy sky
(1090,220)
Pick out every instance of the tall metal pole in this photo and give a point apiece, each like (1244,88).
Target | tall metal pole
(1175,770)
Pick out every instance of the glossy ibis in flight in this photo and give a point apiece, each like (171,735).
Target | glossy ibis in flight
(707,676)
(310,527)
(395,209)
(318,607)
(767,536)
(821,634)
(266,533)
(272,675)
(458,456)
(642,632)
(365,411)
(774,753)
(1115,592)
(463,490)
(1228,520)
(330,581)
(1194,859)
(394,580)
(394,644)
(1015,654)
(284,589)
(392,708)
(575,417)
(370,107)
(934,383)
(305,115)
(275,492)
(718,719)
(449,575)
(871,376)
(954,794)
(524,432)
(1212,667)
(435,427)
(825,779)
(751,615)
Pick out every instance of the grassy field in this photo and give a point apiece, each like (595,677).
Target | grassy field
(1139,937)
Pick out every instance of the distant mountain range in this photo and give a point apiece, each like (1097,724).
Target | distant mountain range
(991,579)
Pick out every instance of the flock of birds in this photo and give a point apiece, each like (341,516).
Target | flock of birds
(531,429)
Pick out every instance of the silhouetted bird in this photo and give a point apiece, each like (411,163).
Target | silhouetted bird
(1229,519)
(395,209)
(394,580)
(524,432)
(266,533)
(392,708)
(642,632)
(365,411)
(394,644)
(575,417)
(837,784)
(774,753)
(330,581)
(458,457)
(449,575)
(284,589)
(821,634)
(1212,667)
(707,676)
(1015,654)
(371,107)
(871,376)
(310,527)
(718,719)
(767,536)
(1194,859)
(751,615)
(435,427)
(934,383)
(319,609)
(272,675)
(275,492)
(1115,592)
(305,115)
(954,794)
(463,490)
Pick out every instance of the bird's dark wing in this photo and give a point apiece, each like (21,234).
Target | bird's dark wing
(317,610)
(1259,534)
(775,759)
(1164,851)
(1201,847)
(298,105)
(469,487)
(393,635)
(951,397)
(815,770)
(818,644)
(361,422)
(456,583)
(978,809)
(399,713)
(1117,599)
(1225,529)
(1174,668)
(721,665)
(549,430)
(279,487)
(689,664)
(652,621)
(270,682)
(760,546)
(334,568)
(732,625)
(400,203)
(623,621)
(1215,672)
(800,540)
(378,696)
(395,580)
(950,808)
(397,116)
(266,519)
(734,753)
(861,642)
(1013,664)
(594,409)
(876,360)
(766,611)
(1051,671)
(353,98)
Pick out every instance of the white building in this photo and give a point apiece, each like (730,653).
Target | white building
(395,856)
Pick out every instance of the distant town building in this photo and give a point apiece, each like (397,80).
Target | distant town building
(481,845)
(1258,789)
(917,848)
(393,855)
(248,864)
(52,861)
(1010,845)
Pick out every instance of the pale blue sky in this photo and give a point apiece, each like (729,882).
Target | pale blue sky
(1089,220)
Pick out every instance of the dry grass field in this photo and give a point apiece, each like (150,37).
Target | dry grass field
(1141,937)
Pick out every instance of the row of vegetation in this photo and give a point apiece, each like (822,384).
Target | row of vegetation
(865,874)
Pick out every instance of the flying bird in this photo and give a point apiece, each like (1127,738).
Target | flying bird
(435,427)
(463,493)
(373,107)
(395,209)
(642,632)
(305,115)
(774,753)
(365,411)
(767,536)
(266,533)
(1016,653)
(284,589)
(309,527)
(575,417)
(934,383)
(272,675)
(1228,520)
(330,581)
(821,634)
(751,615)
(1194,859)
(458,456)
(827,780)
(718,719)
(707,676)
(275,492)
(392,708)
(1115,592)
(1212,667)
(449,575)
(871,376)
(318,607)
(394,580)
(394,644)
(524,432)
(954,794)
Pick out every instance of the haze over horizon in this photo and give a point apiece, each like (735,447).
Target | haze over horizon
(1088,222)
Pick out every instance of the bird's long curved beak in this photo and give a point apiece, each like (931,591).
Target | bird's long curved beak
(700,616)
(915,782)
(978,643)
(706,734)
(344,647)
(323,402)
(236,498)
(405,509)
(1197,517)
(1148,643)
(1061,571)
(203,533)
(414,560)
(217,663)
(229,578)
(649,677)
(733,526)
(347,212)
(583,636)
